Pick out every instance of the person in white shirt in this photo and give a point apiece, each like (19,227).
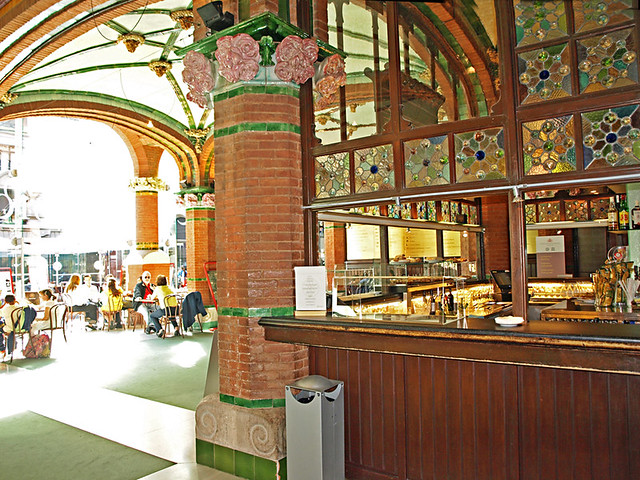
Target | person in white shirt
(10,304)
(47,300)
(79,299)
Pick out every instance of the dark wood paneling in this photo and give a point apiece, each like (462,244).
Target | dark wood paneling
(427,418)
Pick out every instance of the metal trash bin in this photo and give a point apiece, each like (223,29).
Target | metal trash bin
(314,407)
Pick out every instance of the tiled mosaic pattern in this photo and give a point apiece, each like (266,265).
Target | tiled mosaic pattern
(480,155)
(406,211)
(549,212)
(332,175)
(445,215)
(427,162)
(599,208)
(530,213)
(374,169)
(576,210)
(432,212)
(539,21)
(611,137)
(591,14)
(549,146)
(607,61)
(544,73)
(473,215)
(422,210)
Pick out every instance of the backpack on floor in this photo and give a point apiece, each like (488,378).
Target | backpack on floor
(39,346)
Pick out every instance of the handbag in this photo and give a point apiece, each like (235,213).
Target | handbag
(38,346)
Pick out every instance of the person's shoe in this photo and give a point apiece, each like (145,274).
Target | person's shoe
(118,326)
(176,333)
(147,330)
(160,334)
(92,326)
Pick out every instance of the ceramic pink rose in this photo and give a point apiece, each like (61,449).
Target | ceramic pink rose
(209,200)
(238,57)
(197,76)
(191,199)
(295,57)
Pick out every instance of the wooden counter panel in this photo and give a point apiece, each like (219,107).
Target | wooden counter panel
(431,418)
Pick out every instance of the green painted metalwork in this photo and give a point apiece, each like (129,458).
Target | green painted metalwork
(181,99)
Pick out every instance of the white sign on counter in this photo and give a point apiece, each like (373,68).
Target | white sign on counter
(311,288)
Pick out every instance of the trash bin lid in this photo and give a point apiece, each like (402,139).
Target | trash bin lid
(315,383)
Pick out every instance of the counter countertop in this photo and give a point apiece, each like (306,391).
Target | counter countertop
(587,346)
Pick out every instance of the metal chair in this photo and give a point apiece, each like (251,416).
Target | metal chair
(109,316)
(135,318)
(66,298)
(58,319)
(17,320)
(172,313)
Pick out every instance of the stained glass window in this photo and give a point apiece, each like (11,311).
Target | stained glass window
(592,14)
(454,210)
(374,169)
(530,213)
(406,211)
(611,137)
(426,162)
(473,215)
(599,208)
(539,21)
(549,211)
(544,73)
(432,213)
(394,211)
(422,210)
(576,210)
(549,146)
(332,175)
(444,211)
(480,155)
(607,61)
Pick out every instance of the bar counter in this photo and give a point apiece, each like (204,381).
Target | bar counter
(611,348)
(580,311)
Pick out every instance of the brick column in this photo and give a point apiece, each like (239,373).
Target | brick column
(146,221)
(200,248)
(259,240)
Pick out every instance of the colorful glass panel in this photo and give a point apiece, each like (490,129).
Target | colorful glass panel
(432,213)
(539,21)
(473,215)
(530,213)
(611,137)
(549,211)
(576,210)
(406,211)
(374,169)
(427,162)
(332,175)
(599,208)
(549,146)
(422,210)
(480,155)
(394,211)
(607,61)
(445,216)
(544,74)
(464,210)
(593,14)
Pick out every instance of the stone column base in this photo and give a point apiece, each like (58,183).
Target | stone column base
(256,431)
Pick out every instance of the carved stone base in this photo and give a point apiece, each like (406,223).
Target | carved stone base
(256,431)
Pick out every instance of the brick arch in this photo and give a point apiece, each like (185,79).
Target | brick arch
(207,162)
(131,126)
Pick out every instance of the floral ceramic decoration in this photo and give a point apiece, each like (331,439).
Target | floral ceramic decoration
(197,75)
(208,200)
(238,57)
(191,200)
(330,77)
(295,57)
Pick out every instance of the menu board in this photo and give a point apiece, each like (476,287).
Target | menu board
(311,288)
(550,256)
(451,243)
(420,243)
(363,242)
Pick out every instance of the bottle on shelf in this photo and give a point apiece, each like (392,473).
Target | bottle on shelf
(432,308)
(612,215)
(623,213)
(635,216)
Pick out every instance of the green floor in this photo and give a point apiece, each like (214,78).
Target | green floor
(171,371)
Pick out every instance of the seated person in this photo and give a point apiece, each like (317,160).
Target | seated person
(8,306)
(167,305)
(80,301)
(143,291)
(113,301)
(47,300)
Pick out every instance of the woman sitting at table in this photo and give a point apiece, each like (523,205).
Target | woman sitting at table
(142,302)
(79,302)
(43,322)
(113,301)
(167,306)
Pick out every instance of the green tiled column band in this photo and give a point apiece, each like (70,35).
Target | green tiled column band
(197,279)
(243,402)
(338,225)
(238,463)
(200,208)
(257,127)
(242,89)
(201,219)
(256,312)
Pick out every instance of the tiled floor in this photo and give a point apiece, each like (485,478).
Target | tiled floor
(158,429)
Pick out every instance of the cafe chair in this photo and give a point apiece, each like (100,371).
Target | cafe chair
(58,319)
(66,298)
(169,314)
(19,330)
(109,316)
(134,318)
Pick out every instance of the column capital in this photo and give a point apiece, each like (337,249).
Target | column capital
(148,184)
(197,197)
